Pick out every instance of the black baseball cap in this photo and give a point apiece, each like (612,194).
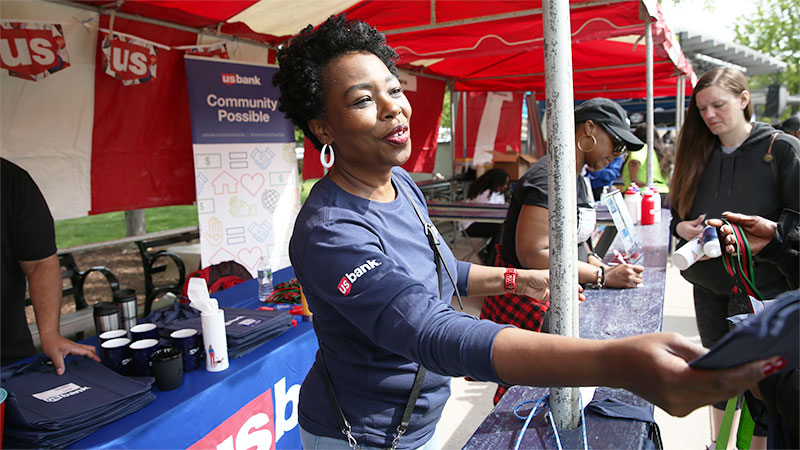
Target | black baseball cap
(612,117)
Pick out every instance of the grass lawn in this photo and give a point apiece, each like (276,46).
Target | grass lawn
(110,226)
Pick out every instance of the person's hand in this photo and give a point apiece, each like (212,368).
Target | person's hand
(758,231)
(655,367)
(624,276)
(690,229)
(56,347)
(533,283)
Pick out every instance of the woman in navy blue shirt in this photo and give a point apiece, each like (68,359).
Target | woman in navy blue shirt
(382,309)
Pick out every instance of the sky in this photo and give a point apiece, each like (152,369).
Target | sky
(691,15)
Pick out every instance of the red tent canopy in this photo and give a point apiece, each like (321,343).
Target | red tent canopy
(488,45)
(500,45)
(194,14)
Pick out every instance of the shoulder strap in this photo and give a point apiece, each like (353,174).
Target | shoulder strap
(416,389)
(433,241)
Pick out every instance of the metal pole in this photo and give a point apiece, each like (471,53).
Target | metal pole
(683,101)
(464,124)
(453,104)
(528,142)
(562,203)
(677,103)
(649,68)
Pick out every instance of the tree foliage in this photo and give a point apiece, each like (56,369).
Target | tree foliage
(774,29)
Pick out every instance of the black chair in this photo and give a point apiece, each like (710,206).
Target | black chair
(151,265)
(77,277)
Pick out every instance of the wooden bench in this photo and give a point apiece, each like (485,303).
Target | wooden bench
(75,324)
(150,251)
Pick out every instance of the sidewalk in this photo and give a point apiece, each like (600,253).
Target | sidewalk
(470,402)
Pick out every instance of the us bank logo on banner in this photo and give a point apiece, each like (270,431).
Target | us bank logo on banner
(32,50)
(245,166)
(130,59)
(260,424)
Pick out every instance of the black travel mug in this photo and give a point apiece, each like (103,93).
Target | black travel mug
(126,304)
(166,365)
(106,317)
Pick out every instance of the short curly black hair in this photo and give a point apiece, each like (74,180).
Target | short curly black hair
(304,58)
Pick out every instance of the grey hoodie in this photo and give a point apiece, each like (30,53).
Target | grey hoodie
(743,182)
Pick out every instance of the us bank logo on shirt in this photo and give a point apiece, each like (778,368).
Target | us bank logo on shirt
(61,392)
(346,283)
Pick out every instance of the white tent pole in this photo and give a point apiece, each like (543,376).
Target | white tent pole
(648,30)
(683,101)
(453,104)
(464,124)
(562,202)
(678,102)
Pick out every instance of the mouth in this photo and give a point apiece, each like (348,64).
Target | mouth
(399,135)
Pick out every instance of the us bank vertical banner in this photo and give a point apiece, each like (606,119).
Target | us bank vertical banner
(245,166)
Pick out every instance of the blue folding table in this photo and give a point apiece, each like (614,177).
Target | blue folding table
(252,403)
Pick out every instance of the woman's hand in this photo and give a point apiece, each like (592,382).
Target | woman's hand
(533,283)
(655,367)
(758,230)
(624,275)
(690,229)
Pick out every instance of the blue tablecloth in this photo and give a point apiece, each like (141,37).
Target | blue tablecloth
(607,314)
(253,403)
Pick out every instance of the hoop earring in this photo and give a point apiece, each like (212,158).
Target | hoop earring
(326,162)
(594,143)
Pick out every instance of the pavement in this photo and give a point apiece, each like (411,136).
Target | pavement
(470,402)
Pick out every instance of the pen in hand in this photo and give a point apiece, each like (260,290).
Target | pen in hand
(619,256)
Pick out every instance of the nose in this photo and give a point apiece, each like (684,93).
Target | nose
(389,107)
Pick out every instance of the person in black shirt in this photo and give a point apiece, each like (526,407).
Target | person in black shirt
(29,252)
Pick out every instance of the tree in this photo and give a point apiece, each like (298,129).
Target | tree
(774,30)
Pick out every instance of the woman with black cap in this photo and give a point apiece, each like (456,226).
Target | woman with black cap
(363,248)
(601,135)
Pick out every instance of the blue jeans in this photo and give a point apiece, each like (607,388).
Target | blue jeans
(314,442)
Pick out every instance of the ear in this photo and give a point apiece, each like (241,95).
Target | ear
(588,127)
(744,98)
(321,130)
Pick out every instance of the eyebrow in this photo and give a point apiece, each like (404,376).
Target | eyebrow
(367,85)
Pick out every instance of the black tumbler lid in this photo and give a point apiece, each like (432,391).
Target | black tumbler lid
(125,295)
(104,309)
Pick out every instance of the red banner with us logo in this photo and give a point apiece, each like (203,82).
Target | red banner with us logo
(32,50)
(141,137)
(130,59)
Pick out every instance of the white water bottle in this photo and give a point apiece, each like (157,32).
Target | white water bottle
(711,247)
(215,341)
(657,202)
(264,279)
(688,254)
(633,200)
